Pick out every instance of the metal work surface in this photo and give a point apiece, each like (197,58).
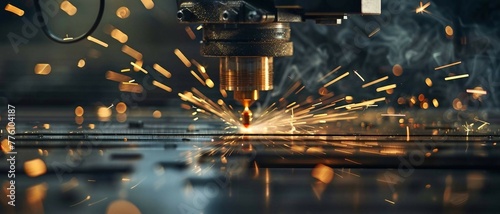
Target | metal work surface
(173,166)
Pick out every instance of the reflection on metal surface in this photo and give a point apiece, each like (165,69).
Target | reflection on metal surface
(35,168)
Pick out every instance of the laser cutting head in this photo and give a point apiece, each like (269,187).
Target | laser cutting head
(247,34)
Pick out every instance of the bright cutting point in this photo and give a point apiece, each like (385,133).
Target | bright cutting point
(246,117)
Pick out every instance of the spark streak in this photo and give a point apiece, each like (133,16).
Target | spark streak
(330,73)
(97,41)
(190,33)
(117,77)
(387,87)
(15,10)
(393,115)
(476,91)
(407,134)
(354,162)
(422,8)
(198,78)
(448,65)
(132,52)
(139,67)
(162,70)
(86,199)
(456,77)
(356,72)
(182,57)
(389,201)
(337,79)
(69,8)
(375,81)
(162,86)
(374,32)
(91,204)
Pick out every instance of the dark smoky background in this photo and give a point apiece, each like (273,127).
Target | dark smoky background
(416,42)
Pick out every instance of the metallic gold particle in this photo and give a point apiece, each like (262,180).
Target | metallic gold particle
(104,112)
(210,83)
(457,104)
(121,108)
(435,102)
(323,173)
(449,31)
(35,168)
(157,114)
(428,82)
(223,92)
(69,8)
(79,111)
(123,12)
(6,146)
(190,33)
(81,63)
(424,105)
(148,4)
(198,78)
(119,35)
(122,206)
(130,87)
(13,9)
(182,57)
(397,70)
(162,86)
(132,52)
(448,65)
(43,69)
(117,77)
(162,70)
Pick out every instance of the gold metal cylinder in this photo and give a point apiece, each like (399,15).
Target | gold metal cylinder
(246,76)
(246,73)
